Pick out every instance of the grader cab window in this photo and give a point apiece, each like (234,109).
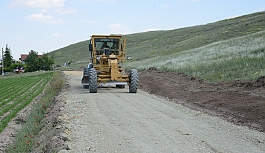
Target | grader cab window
(107,46)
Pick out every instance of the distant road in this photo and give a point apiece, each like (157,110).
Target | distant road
(114,120)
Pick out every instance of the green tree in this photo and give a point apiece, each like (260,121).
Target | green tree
(32,62)
(46,62)
(8,59)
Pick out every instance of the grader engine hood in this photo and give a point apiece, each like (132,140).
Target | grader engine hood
(112,60)
(114,67)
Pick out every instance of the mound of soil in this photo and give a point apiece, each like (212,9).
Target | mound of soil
(240,102)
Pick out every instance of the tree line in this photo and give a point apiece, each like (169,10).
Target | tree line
(32,62)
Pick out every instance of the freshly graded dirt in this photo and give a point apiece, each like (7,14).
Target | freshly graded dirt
(239,102)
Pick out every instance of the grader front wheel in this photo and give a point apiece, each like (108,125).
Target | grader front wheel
(133,81)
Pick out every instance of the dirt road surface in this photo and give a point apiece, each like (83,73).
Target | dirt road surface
(114,120)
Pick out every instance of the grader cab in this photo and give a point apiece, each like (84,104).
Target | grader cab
(107,57)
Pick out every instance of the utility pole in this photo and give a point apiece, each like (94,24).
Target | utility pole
(3,62)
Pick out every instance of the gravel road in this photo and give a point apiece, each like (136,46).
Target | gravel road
(114,120)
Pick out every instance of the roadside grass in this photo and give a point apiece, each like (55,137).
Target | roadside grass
(236,58)
(25,138)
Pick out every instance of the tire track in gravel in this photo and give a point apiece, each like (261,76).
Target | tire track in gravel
(114,120)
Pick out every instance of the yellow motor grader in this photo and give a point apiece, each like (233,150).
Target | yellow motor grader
(107,56)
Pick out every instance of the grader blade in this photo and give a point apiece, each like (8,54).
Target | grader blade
(85,82)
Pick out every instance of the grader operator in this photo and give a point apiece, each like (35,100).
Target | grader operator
(107,56)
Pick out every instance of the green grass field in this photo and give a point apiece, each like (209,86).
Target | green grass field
(19,91)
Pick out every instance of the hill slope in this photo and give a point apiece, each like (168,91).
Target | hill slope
(235,58)
(74,52)
(157,43)
(221,51)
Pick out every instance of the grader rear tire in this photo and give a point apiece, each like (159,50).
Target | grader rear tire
(133,81)
(93,81)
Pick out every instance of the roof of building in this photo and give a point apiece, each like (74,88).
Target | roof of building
(24,56)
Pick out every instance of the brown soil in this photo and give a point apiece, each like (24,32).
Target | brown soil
(239,102)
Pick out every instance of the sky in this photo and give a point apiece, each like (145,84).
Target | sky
(47,25)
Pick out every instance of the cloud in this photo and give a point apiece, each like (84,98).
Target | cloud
(23,39)
(57,34)
(98,0)
(234,16)
(105,0)
(44,10)
(261,9)
(89,21)
(44,18)
(38,3)
(118,28)
(166,6)
(151,29)
(194,0)
(65,11)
